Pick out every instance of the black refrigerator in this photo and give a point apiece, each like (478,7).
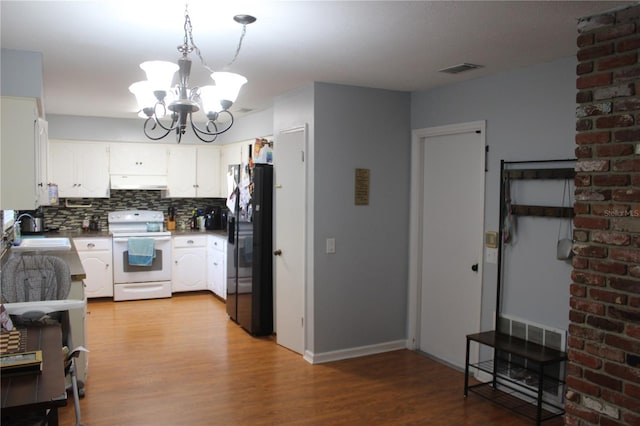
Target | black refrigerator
(250,250)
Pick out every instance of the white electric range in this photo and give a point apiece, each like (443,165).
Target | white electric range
(134,282)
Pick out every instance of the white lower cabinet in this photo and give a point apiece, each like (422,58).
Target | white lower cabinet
(189,272)
(96,257)
(217,267)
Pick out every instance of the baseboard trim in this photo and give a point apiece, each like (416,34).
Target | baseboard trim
(319,358)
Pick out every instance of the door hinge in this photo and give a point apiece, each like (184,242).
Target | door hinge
(302,322)
(486,158)
(302,156)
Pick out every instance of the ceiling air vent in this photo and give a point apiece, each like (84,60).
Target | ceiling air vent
(456,69)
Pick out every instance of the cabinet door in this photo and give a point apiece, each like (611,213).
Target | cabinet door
(138,159)
(189,269)
(92,163)
(181,174)
(18,153)
(208,172)
(63,169)
(96,257)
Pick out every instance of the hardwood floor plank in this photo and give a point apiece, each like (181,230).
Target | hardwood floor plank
(180,361)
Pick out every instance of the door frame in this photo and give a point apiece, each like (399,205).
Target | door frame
(307,219)
(415,220)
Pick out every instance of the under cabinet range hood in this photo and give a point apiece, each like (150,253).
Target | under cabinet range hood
(158,182)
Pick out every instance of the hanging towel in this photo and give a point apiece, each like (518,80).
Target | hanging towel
(141,251)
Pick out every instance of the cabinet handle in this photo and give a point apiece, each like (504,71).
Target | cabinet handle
(190,242)
(91,245)
(176,262)
(277,252)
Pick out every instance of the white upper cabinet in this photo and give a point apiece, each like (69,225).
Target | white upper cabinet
(42,163)
(193,171)
(138,159)
(18,144)
(80,169)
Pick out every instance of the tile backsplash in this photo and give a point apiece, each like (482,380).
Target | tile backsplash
(70,218)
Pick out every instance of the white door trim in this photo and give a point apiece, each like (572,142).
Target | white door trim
(415,214)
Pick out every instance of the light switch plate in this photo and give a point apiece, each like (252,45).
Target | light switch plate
(491,255)
(331,245)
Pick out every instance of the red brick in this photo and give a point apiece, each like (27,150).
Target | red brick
(621,400)
(590,222)
(596,80)
(629,194)
(627,135)
(628,44)
(584,359)
(625,255)
(626,165)
(577,317)
(616,62)
(592,195)
(581,414)
(632,390)
(586,333)
(625,344)
(610,210)
(582,277)
(594,52)
(587,40)
(628,223)
(577,290)
(605,352)
(628,14)
(580,236)
(584,96)
(624,314)
(581,208)
(592,166)
(585,68)
(610,121)
(603,380)
(626,104)
(611,180)
(623,371)
(582,179)
(634,302)
(593,137)
(583,386)
(635,179)
(627,74)
(610,238)
(624,284)
(583,151)
(614,150)
(632,419)
(608,296)
(617,31)
(633,331)
(605,324)
(584,124)
(587,306)
(582,263)
(634,270)
(590,251)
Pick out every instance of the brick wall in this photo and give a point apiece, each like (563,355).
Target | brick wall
(603,375)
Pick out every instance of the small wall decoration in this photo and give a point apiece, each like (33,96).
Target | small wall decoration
(362,187)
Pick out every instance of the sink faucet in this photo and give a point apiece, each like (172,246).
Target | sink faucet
(17,237)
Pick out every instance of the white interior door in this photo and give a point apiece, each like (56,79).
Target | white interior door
(290,213)
(451,240)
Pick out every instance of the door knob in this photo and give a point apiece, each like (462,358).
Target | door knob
(474,267)
(277,252)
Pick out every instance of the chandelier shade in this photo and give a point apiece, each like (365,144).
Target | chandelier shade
(168,107)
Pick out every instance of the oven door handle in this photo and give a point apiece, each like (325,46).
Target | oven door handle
(125,239)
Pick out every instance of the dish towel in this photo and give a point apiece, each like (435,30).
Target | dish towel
(141,251)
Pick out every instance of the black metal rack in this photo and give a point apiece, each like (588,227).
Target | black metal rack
(520,369)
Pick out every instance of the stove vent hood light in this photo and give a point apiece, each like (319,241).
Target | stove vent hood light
(139,182)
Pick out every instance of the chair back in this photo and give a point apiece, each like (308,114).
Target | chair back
(31,278)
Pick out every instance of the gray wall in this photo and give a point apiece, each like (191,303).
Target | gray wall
(530,115)
(360,291)
(258,124)
(21,72)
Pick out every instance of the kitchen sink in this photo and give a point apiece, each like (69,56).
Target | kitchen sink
(44,244)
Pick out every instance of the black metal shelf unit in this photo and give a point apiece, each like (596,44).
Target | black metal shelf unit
(520,385)
(517,386)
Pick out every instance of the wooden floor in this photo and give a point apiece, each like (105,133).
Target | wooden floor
(180,361)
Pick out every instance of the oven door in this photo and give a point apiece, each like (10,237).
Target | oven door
(159,270)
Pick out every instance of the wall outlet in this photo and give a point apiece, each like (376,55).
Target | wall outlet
(491,255)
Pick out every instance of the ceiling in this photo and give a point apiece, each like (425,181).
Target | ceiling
(92,49)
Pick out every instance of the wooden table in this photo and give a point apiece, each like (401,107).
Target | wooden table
(38,392)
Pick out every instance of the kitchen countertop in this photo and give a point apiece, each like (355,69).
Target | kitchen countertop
(69,256)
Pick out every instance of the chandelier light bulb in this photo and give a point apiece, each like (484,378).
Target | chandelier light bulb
(228,84)
(159,74)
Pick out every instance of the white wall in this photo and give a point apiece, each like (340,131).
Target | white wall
(530,115)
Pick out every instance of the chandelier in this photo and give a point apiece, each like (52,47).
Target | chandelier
(167,109)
